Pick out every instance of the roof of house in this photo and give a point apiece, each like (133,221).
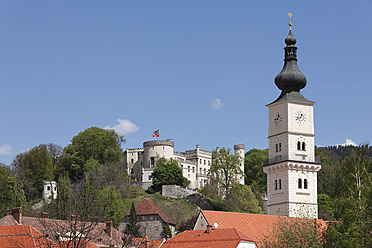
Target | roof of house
(216,238)
(52,227)
(21,236)
(148,207)
(255,226)
(154,243)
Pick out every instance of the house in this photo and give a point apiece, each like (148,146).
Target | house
(255,226)
(151,219)
(211,238)
(101,234)
(29,237)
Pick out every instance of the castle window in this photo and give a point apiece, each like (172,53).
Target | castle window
(200,161)
(132,160)
(300,183)
(152,162)
(299,145)
(193,169)
(48,188)
(280,183)
(305,183)
(204,172)
(200,170)
(149,177)
(280,146)
(209,162)
(276,185)
(205,162)
(276,148)
(303,146)
(188,168)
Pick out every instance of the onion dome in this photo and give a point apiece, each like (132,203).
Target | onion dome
(290,78)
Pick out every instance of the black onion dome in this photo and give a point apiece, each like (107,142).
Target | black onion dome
(290,78)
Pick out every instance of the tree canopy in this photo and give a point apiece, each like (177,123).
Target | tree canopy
(168,172)
(91,148)
(254,175)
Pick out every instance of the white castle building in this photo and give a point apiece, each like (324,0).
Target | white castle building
(139,163)
(292,169)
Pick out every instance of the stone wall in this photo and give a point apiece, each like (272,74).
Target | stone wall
(176,191)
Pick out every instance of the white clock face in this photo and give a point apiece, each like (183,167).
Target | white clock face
(278,118)
(300,117)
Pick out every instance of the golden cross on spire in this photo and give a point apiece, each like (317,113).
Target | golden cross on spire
(290,23)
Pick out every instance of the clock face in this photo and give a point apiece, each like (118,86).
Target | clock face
(300,117)
(278,118)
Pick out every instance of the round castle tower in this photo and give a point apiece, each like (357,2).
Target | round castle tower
(239,152)
(157,148)
(49,189)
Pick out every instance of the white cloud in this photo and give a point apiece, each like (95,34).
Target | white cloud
(6,149)
(216,103)
(348,142)
(124,127)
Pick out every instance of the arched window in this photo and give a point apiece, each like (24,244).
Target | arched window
(298,145)
(303,146)
(300,183)
(276,148)
(280,147)
(280,183)
(276,185)
(305,183)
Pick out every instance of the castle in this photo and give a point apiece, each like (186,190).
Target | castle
(139,163)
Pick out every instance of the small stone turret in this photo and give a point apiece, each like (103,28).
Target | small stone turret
(49,190)
(239,152)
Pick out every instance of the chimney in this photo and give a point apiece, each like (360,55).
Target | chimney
(147,242)
(45,215)
(7,211)
(17,214)
(209,228)
(109,228)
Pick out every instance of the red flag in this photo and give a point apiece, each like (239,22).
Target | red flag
(155,133)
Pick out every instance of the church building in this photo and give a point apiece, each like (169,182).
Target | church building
(292,168)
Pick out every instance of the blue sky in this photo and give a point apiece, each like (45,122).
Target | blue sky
(200,71)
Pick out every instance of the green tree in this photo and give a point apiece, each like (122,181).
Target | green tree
(168,172)
(113,206)
(166,231)
(225,168)
(294,232)
(132,227)
(353,193)
(243,200)
(254,175)
(325,207)
(91,148)
(32,168)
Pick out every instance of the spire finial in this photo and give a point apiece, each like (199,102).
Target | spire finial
(290,17)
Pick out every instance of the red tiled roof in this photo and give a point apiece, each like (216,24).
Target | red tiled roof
(50,227)
(252,225)
(217,238)
(22,236)
(155,243)
(148,207)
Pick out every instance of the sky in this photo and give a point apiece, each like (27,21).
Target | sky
(200,71)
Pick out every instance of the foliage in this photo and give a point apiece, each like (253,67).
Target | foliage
(89,149)
(353,194)
(243,200)
(166,231)
(112,204)
(294,232)
(11,191)
(325,207)
(254,175)
(225,168)
(32,168)
(132,227)
(168,172)
(187,224)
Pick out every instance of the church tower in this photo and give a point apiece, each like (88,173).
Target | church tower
(292,169)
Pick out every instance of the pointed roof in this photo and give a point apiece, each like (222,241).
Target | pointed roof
(216,238)
(148,207)
(255,226)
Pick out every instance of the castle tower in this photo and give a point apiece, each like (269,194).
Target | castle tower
(239,152)
(292,169)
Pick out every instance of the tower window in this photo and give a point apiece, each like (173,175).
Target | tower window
(152,162)
(300,183)
(280,183)
(280,147)
(299,145)
(305,183)
(276,148)
(276,185)
(303,146)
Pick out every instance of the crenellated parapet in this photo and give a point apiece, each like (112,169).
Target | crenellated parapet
(167,142)
(239,147)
